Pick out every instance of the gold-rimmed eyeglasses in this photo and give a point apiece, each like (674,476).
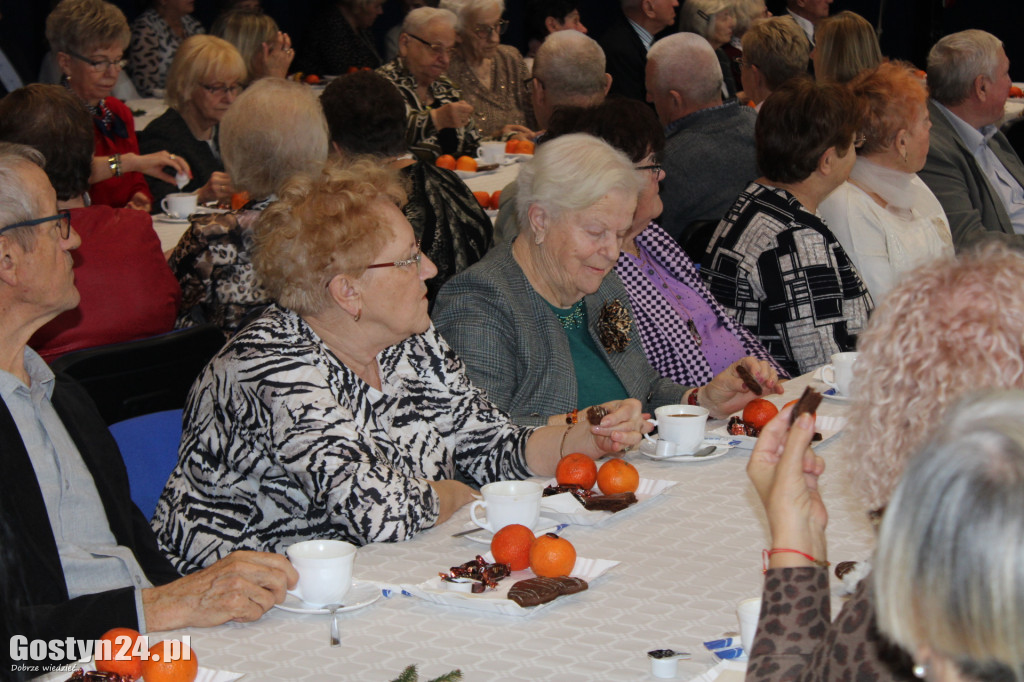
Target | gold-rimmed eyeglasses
(415,260)
(63,219)
(485,31)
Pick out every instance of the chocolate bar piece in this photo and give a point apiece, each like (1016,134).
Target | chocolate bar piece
(749,380)
(534,591)
(612,503)
(595,414)
(808,402)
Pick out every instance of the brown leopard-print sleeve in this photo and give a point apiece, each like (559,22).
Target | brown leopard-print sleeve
(796,642)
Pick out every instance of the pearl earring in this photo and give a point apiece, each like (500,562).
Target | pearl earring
(920,671)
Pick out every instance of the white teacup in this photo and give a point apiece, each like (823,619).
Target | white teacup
(325,570)
(508,502)
(680,425)
(748,612)
(491,152)
(179,204)
(839,375)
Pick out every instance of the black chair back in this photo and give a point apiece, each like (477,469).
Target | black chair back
(133,378)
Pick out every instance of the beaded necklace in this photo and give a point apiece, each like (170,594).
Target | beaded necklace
(574,318)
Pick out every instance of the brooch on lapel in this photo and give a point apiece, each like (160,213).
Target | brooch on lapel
(613,326)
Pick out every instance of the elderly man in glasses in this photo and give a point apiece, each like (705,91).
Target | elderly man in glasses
(83,558)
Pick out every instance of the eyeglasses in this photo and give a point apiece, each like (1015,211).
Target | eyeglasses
(859,139)
(655,168)
(485,31)
(437,48)
(402,263)
(222,90)
(100,65)
(63,219)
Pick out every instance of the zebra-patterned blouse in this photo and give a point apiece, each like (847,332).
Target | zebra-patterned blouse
(282,442)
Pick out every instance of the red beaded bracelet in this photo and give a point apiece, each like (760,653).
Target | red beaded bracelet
(692,398)
(572,417)
(767,553)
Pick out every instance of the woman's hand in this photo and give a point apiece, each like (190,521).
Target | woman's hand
(217,188)
(154,164)
(140,202)
(785,472)
(620,429)
(274,57)
(516,132)
(727,393)
(454,495)
(452,115)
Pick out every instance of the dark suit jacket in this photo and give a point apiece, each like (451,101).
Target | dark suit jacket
(626,59)
(170,132)
(43,594)
(974,209)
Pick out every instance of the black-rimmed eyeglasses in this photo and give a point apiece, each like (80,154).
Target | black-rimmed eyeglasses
(437,48)
(63,219)
(484,31)
(221,90)
(100,65)
(415,260)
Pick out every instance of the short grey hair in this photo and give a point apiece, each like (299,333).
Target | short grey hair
(686,63)
(572,68)
(699,16)
(275,129)
(957,59)
(746,11)
(421,16)
(16,202)
(467,10)
(84,25)
(572,173)
(949,570)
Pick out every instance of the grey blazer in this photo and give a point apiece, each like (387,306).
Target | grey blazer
(974,209)
(516,351)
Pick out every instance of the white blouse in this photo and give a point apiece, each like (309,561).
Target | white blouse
(885,243)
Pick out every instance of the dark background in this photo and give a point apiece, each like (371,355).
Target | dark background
(909,27)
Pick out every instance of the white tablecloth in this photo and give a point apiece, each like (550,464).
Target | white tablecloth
(687,557)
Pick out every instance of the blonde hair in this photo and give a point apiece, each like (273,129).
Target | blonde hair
(274,129)
(247,31)
(950,327)
(846,45)
(84,25)
(323,224)
(202,58)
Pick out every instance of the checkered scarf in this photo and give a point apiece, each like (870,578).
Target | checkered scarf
(667,342)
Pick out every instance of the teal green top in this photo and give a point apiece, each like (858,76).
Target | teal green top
(596,383)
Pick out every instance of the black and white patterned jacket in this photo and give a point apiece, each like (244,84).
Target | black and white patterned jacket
(283,443)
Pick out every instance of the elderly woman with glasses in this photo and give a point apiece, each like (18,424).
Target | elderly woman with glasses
(543,324)
(492,76)
(206,76)
(687,335)
(438,120)
(340,412)
(89,38)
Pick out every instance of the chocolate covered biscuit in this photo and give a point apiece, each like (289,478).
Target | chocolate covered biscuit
(808,402)
(749,380)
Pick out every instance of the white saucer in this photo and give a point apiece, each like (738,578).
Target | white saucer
(164,218)
(544,525)
(650,450)
(361,595)
(832,395)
